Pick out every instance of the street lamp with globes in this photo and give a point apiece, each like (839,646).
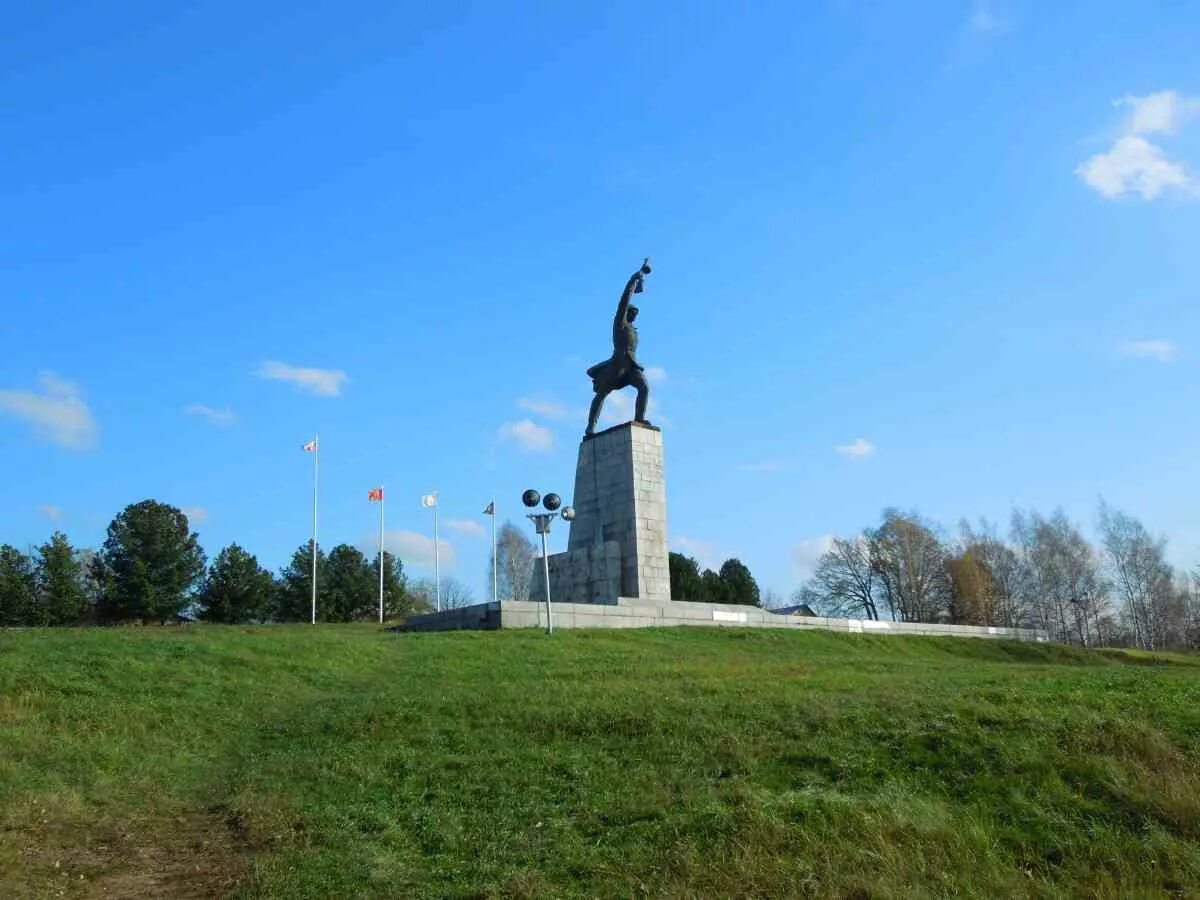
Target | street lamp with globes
(541,523)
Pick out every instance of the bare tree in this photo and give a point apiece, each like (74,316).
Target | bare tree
(844,583)
(454,593)
(1190,589)
(1006,574)
(1141,575)
(1066,593)
(909,561)
(770,599)
(516,553)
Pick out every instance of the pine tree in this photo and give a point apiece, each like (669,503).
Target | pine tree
(293,594)
(686,581)
(740,586)
(61,590)
(236,589)
(351,587)
(149,564)
(17,588)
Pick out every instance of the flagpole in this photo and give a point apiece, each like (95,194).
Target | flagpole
(381,560)
(437,577)
(495,559)
(316,476)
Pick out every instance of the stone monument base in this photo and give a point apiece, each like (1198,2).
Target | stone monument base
(634,613)
(585,575)
(617,546)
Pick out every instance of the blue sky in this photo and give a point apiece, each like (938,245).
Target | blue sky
(940,258)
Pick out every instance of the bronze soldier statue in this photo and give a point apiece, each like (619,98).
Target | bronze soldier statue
(622,369)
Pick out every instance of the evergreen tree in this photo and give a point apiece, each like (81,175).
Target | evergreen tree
(149,564)
(715,590)
(236,589)
(61,588)
(686,581)
(293,594)
(740,586)
(397,601)
(351,588)
(17,588)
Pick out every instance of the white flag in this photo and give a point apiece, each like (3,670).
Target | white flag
(429,500)
(311,446)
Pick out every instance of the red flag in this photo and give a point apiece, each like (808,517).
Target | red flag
(375,494)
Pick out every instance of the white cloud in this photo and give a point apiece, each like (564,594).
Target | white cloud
(198,515)
(466,526)
(806,553)
(546,408)
(57,413)
(222,418)
(656,374)
(769,466)
(528,435)
(412,548)
(319,382)
(1161,113)
(984,19)
(51,512)
(859,448)
(619,408)
(704,552)
(1159,350)
(1133,165)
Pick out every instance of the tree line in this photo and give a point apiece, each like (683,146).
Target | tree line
(732,583)
(1043,574)
(151,568)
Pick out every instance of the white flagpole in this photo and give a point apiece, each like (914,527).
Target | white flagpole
(495,559)
(316,475)
(381,558)
(437,577)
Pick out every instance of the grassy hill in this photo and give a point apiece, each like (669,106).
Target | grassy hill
(345,761)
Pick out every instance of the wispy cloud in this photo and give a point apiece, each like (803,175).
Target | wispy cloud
(318,382)
(1159,350)
(196,515)
(769,466)
(859,448)
(222,418)
(1134,165)
(656,374)
(56,413)
(978,32)
(619,407)
(985,20)
(704,552)
(412,548)
(466,526)
(528,435)
(807,552)
(548,409)
(51,512)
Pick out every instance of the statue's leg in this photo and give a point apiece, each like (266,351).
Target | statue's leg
(594,412)
(638,380)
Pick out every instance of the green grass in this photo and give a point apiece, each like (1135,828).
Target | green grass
(350,762)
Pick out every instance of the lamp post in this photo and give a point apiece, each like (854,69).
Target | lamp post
(541,524)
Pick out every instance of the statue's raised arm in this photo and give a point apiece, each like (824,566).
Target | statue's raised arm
(634,285)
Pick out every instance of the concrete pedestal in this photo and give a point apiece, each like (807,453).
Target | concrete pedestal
(620,505)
